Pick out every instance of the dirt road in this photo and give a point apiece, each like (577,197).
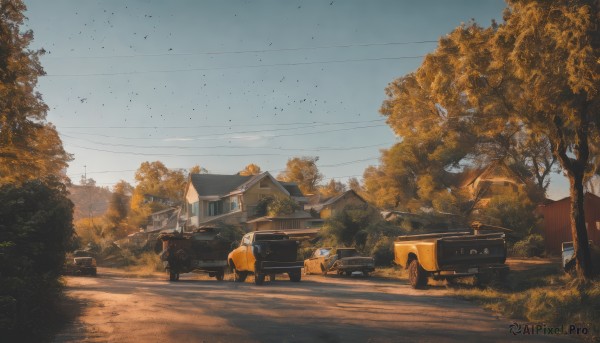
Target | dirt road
(318,309)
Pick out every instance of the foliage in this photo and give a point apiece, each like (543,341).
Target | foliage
(30,148)
(262,206)
(304,172)
(364,228)
(525,92)
(332,188)
(281,206)
(35,231)
(155,179)
(512,211)
(119,203)
(231,233)
(530,246)
(251,169)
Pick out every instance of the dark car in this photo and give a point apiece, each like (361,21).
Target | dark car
(342,260)
(81,266)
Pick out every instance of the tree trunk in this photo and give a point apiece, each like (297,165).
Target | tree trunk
(578,230)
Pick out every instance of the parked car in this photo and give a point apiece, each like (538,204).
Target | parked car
(568,256)
(342,260)
(451,255)
(202,251)
(81,266)
(265,253)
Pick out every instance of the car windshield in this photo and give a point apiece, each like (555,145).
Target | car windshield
(269,237)
(323,252)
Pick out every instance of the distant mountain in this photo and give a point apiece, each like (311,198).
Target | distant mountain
(90,201)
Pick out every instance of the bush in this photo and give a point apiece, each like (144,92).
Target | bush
(530,246)
(35,232)
(383,251)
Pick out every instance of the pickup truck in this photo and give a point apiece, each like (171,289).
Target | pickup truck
(200,251)
(450,255)
(265,253)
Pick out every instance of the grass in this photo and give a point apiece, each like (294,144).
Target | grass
(145,265)
(542,295)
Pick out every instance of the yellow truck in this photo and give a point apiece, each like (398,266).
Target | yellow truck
(451,255)
(265,253)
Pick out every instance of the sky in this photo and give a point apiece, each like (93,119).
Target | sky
(222,84)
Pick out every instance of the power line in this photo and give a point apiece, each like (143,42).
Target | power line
(235,67)
(223,126)
(245,51)
(227,133)
(316,149)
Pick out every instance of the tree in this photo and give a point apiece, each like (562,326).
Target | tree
(36,231)
(304,172)
(198,170)
(118,207)
(553,49)
(332,188)
(30,148)
(521,90)
(155,179)
(251,169)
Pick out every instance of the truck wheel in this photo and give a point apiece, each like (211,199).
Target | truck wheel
(259,279)
(416,275)
(220,276)
(348,273)
(323,270)
(272,277)
(173,276)
(239,276)
(295,276)
(365,273)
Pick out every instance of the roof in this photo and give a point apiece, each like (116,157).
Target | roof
(216,184)
(587,195)
(332,200)
(469,176)
(292,188)
(221,185)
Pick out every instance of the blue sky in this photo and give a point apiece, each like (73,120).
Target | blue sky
(226,83)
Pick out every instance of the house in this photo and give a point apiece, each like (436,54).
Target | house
(556,222)
(295,221)
(484,183)
(163,220)
(328,207)
(231,199)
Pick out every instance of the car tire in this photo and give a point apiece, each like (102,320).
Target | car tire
(220,276)
(323,270)
(173,276)
(239,276)
(295,276)
(417,276)
(259,279)
(348,273)
(366,273)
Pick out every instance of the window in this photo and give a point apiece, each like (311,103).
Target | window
(215,208)
(234,203)
(195,209)
(264,183)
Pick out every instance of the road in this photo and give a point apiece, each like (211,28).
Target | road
(318,309)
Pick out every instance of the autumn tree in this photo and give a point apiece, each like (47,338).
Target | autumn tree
(155,179)
(30,147)
(332,188)
(553,51)
(118,207)
(304,172)
(251,169)
(198,170)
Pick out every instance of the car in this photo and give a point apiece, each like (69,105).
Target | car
(342,260)
(81,266)
(568,256)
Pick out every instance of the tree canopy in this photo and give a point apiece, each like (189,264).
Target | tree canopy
(251,169)
(304,172)
(524,92)
(30,148)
